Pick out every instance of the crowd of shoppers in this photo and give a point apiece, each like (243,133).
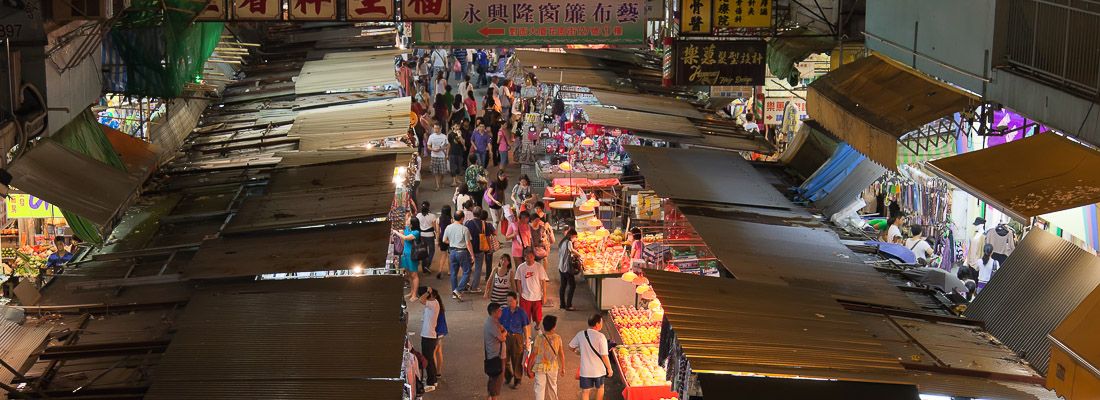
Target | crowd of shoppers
(471,139)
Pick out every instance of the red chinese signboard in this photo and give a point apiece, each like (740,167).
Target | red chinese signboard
(370,10)
(324,10)
(257,9)
(426,10)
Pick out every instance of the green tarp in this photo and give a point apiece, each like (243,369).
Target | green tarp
(84,136)
(160,47)
(791,48)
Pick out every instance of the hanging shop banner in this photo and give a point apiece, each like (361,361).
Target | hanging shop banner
(776,110)
(369,10)
(504,23)
(301,10)
(695,17)
(313,10)
(257,10)
(742,13)
(215,10)
(27,206)
(426,10)
(727,63)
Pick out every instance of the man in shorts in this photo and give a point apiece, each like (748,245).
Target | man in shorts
(438,146)
(591,344)
(494,350)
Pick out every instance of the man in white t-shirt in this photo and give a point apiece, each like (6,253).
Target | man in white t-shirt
(591,344)
(438,145)
(531,280)
(918,245)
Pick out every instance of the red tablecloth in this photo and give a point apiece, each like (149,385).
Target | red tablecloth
(585,183)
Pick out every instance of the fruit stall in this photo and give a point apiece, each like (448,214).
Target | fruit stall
(603,256)
(639,331)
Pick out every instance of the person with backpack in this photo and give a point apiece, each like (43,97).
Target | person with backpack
(409,259)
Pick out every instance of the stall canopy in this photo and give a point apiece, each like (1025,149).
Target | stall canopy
(756,232)
(595,79)
(347,72)
(729,326)
(791,47)
(301,338)
(1028,177)
(1044,279)
(545,59)
(873,102)
(670,125)
(648,103)
(1074,370)
(808,150)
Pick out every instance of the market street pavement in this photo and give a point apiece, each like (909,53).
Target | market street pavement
(463,375)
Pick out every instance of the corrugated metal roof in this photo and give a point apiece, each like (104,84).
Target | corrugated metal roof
(323,249)
(1034,176)
(290,339)
(343,191)
(873,101)
(727,326)
(803,257)
(733,326)
(17,343)
(705,175)
(1042,281)
(754,387)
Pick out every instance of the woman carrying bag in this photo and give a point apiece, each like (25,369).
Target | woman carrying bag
(547,360)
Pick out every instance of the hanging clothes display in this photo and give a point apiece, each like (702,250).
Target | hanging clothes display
(926,201)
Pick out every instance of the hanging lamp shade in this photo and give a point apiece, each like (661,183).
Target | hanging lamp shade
(588,142)
(565,166)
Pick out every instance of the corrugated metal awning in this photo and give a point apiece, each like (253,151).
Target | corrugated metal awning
(754,387)
(873,102)
(734,326)
(672,125)
(1043,280)
(305,338)
(648,103)
(705,175)
(1028,177)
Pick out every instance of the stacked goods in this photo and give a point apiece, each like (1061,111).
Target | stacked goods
(564,191)
(639,366)
(636,326)
(600,254)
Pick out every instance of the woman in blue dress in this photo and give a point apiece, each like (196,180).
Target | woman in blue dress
(410,235)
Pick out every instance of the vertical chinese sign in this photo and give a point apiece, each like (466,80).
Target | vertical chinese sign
(215,10)
(541,23)
(426,10)
(369,10)
(720,63)
(313,10)
(257,10)
(695,17)
(742,13)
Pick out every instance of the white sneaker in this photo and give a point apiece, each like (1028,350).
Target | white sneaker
(456,296)
(429,388)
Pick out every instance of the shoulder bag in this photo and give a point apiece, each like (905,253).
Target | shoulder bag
(482,239)
(589,341)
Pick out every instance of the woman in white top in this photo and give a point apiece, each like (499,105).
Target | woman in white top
(918,245)
(893,231)
(987,267)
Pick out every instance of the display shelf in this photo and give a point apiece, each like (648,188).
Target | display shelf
(637,363)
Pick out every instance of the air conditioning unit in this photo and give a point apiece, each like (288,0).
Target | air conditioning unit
(69,10)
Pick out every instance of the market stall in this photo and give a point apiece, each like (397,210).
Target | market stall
(603,261)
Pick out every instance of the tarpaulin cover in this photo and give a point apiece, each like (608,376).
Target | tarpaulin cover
(84,135)
(154,48)
(1028,177)
(872,102)
(791,48)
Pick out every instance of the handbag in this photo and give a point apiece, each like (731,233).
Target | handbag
(482,239)
(457,67)
(494,366)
